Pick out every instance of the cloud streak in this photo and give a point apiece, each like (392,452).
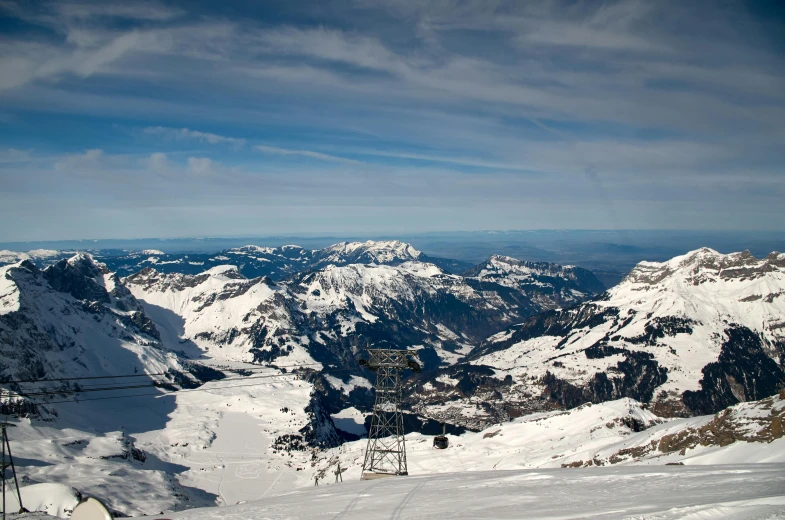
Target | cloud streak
(187,133)
(274,150)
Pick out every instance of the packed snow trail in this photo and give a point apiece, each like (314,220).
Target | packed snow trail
(741,492)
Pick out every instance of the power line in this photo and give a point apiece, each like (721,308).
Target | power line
(85,378)
(155,383)
(153,378)
(159,393)
(129,387)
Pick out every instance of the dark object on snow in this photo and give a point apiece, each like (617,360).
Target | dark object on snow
(440,442)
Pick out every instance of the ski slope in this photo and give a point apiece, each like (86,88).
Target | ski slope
(742,492)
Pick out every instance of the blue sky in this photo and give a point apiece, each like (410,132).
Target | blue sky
(164,119)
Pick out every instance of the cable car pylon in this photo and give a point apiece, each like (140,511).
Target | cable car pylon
(385,455)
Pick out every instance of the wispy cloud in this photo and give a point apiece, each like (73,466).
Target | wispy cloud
(304,153)
(187,133)
(134,11)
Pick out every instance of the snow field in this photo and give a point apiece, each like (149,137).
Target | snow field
(743,492)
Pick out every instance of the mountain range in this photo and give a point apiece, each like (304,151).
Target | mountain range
(505,340)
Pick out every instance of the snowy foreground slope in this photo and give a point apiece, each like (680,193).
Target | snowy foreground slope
(619,432)
(224,446)
(743,492)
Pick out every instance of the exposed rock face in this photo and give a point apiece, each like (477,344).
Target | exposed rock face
(320,431)
(743,372)
(636,376)
(78,276)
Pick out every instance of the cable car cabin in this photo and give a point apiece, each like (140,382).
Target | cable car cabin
(440,442)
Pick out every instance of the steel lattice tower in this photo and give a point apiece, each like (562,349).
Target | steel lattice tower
(386,451)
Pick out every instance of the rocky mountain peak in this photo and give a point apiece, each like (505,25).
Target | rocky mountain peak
(225,271)
(373,251)
(80,276)
(87,265)
(706,265)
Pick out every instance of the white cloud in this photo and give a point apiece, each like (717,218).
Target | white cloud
(200,165)
(575,35)
(157,162)
(333,45)
(89,160)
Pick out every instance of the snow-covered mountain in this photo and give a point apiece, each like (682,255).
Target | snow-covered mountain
(328,314)
(550,286)
(75,319)
(278,262)
(390,252)
(693,335)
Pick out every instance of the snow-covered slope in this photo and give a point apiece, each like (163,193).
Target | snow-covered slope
(236,444)
(221,443)
(223,314)
(371,252)
(621,432)
(742,492)
(499,472)
(327,314)
(692,335)
(73,320)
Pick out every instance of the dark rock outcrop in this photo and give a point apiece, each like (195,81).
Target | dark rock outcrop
(743,372)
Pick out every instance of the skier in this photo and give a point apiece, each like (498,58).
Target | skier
(338,473)
(316,480)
